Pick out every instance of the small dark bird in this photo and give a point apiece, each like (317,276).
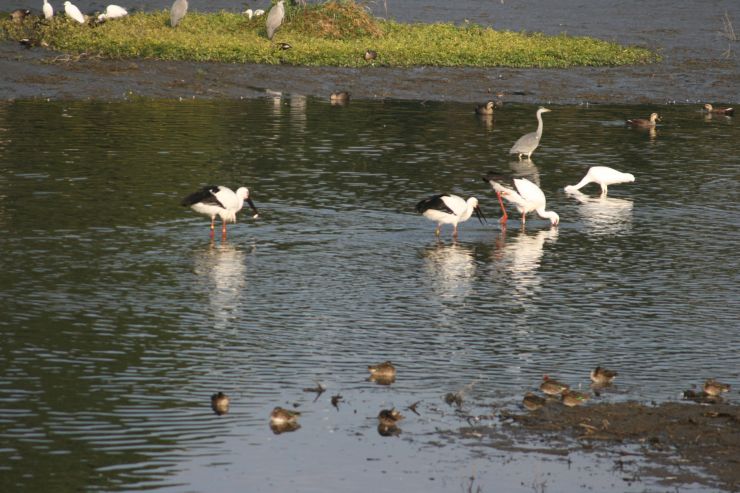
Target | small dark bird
(220,403)
(370,55)
(335,399)
(571,398)
(412,408)
(552,387)
(390,416)
(19,15)
(602,376)
(284,46)
(533,402)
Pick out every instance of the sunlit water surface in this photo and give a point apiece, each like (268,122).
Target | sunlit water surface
(119,317)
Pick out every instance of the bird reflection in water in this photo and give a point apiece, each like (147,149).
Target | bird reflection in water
(604,215)
(525,168)
(521,254)
(222,267)
(452,269)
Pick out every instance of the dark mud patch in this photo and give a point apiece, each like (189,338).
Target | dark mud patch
(674,443)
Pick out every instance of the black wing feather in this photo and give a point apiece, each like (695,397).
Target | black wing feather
(435,202)
(205,195)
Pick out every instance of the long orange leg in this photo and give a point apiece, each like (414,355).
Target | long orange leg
(213,225)
(223,229)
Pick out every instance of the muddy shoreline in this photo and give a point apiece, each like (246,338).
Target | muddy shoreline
(42,74)
(674,443)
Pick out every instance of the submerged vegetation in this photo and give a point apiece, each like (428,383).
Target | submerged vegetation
(335,33)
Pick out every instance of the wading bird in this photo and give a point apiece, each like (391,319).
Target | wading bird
(527,197)
(644,122)
(73,12)
(604,176)
(48,10)
(275,18)
(112,12)
(449,209)
(526,144)
(178,11)
(219,201)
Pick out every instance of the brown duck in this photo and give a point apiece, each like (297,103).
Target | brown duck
(602,376)
(714,388)
(552,387)
(533,402)
(644,123)
(485,109)
(280,416)
(718,111)
(571,398)
(384,370)
(220,403)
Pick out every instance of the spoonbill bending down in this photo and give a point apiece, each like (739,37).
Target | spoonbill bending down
(527,197)
(526,144)
(604,176)
(219,201)
(449,209)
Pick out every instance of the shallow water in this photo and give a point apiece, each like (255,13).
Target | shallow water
(120,318)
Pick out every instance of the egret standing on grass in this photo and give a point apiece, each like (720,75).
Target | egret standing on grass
(48,10)
(604,176)
(219,201)
(526,144)
(527,197)
(112,12)
(275,18)
(449,209)
(178,11)
(73,12)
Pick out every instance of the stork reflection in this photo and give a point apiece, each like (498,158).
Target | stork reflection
(222,270)
(520,254)
(604,215)
(452,268)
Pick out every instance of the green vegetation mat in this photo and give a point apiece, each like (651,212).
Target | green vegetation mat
(336,33)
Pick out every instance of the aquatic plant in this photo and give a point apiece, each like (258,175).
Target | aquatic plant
(331,34)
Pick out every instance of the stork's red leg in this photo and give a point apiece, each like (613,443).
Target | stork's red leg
(505,217)
(213,226)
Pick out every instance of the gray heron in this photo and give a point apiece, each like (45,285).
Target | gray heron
(275,18)
(529,142)
(178,11)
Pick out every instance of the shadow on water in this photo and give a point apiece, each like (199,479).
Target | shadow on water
(120,318)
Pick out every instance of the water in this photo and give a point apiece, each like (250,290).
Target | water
(119,317)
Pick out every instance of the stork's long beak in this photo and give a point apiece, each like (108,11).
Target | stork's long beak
(251,204)
(479,214)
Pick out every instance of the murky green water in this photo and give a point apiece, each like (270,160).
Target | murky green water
(119,318)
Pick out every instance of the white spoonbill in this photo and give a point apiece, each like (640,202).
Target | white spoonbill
(112,12)
(527,197)
(219,201)
(526,144)
(604,176)
(73,12)
(449,209)
(48,10)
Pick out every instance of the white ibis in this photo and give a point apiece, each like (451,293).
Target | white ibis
(526,144)
(219,201)
(644,122)
(73,12)
(527,197)
(112,12)
(449,209)
(604,176)
(48,10)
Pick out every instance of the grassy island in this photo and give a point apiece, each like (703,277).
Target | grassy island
(335,33)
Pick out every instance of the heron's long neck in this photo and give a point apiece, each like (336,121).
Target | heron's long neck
(540,125)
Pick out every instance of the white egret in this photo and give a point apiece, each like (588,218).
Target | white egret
(73,12)
(48,10)
(259,12)
(604,176)
(526,144)
(527,197)
(249,13)
(219,201)
(449,209)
